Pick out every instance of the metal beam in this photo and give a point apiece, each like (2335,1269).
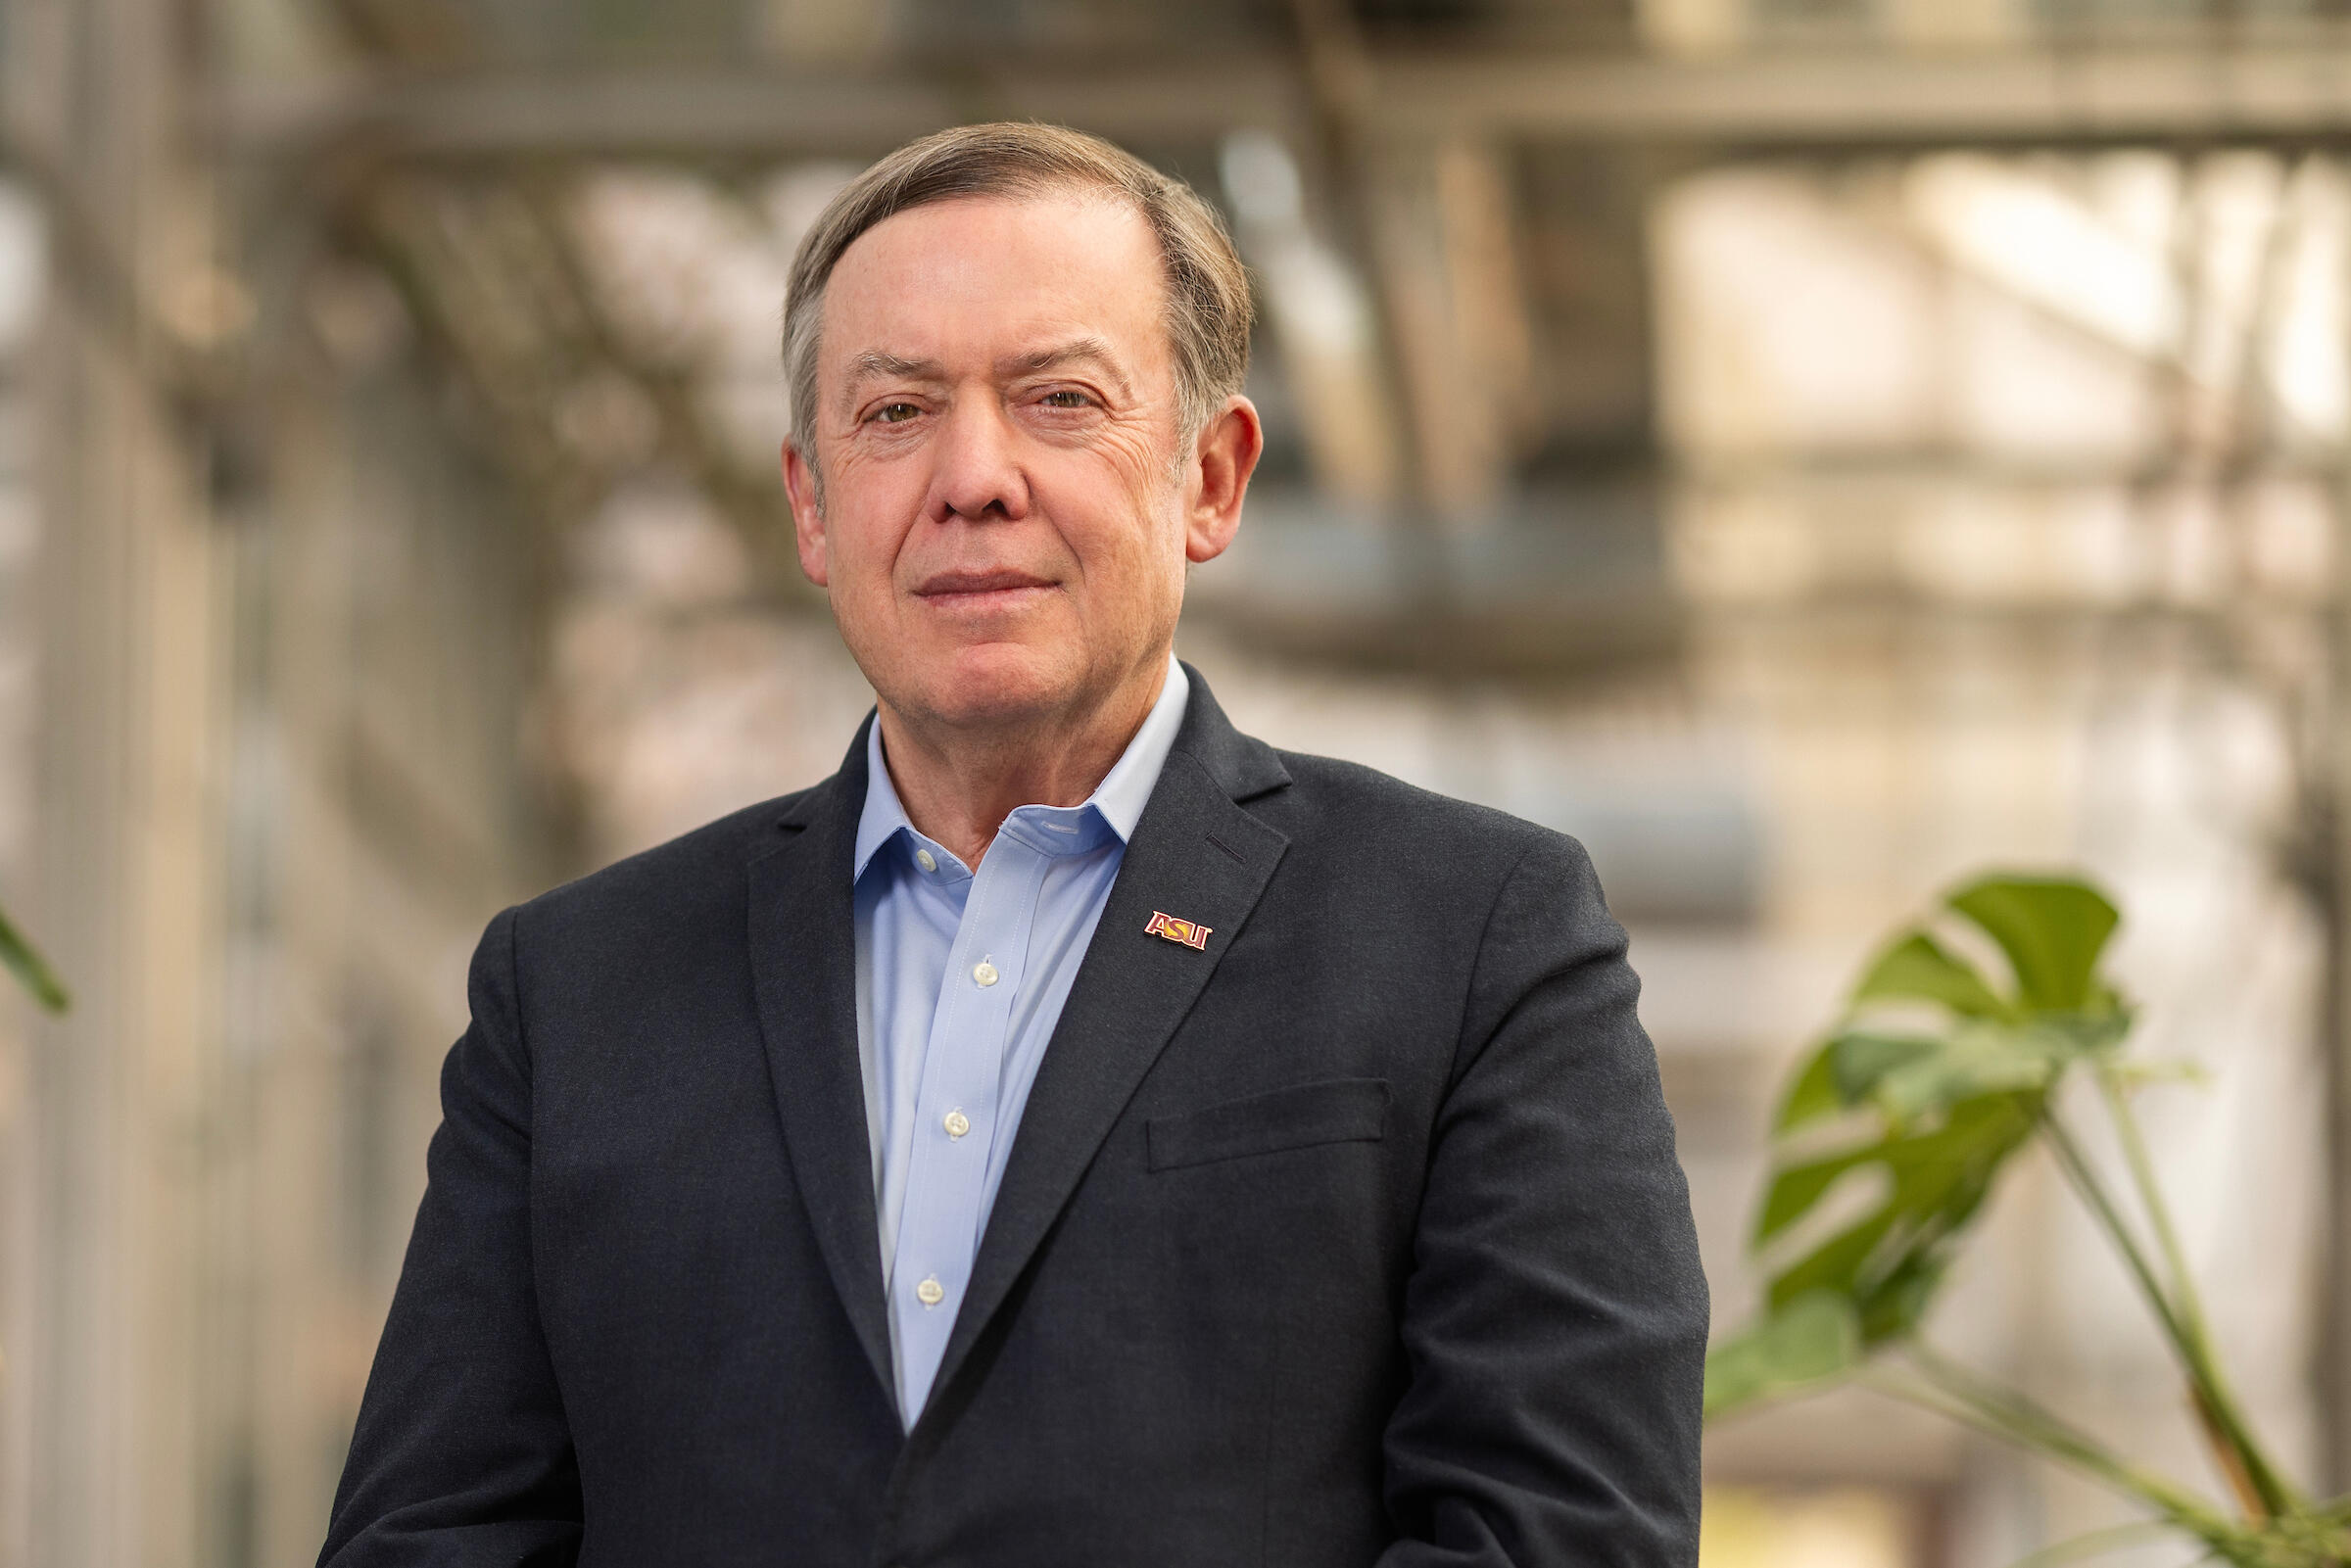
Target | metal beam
(2168,93)
(2045,94)
(734,111)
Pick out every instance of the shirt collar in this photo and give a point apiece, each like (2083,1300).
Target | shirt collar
(1119,799)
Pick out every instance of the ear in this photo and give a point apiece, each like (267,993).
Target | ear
(807,523)
(1222,459)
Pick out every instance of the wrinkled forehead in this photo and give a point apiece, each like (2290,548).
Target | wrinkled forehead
(974,282)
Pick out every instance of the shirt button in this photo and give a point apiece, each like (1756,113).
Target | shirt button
(927,860)
(958,1124)
(930,1291)
(984,973)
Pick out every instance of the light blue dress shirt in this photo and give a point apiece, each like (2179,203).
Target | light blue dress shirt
(960,980)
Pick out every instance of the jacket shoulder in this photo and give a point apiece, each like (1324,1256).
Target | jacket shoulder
(1413,828)
(696,865)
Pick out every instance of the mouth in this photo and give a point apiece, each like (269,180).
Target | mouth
(1000,588)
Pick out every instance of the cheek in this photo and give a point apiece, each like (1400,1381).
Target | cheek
(1137,560)
(861,561)
(1143,476)
(865,519)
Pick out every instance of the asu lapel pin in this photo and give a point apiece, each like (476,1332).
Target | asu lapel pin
(1177,931)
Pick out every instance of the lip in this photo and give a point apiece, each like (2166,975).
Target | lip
(978,588)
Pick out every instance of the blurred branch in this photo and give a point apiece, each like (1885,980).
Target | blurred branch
(490,267)
(491,274)
(687,436)
(1342,87)
(104,289)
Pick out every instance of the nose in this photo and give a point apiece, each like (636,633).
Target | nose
(978,475)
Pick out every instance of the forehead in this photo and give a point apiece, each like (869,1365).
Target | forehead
(991,276)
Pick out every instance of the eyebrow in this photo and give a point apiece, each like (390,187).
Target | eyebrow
(1091,351)
(873,364)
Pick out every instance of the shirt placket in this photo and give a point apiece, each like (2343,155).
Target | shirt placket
(956,1108)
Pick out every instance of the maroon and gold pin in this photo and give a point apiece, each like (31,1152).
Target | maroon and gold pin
(1177,931)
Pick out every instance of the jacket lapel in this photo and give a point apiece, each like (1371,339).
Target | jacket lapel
(804,976)
(1196,856)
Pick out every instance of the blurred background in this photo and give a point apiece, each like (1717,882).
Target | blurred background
(1807,449)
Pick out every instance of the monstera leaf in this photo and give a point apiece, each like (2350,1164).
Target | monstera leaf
(1897,1126)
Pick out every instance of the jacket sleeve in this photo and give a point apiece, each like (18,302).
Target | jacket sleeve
(1555,1319)
(462,1455)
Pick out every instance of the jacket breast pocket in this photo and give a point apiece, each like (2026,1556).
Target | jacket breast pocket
(1334,1110)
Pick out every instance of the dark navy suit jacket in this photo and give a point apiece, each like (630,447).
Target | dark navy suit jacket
(1354,1237)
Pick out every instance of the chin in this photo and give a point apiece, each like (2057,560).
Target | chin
(997,683)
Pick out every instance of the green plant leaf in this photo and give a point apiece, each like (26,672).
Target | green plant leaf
(1837,1265)
(1975,1059)
(1919,968)
(1902,1132)
(1898,1305)
(1907,1074)
(1887,1262)
(1812,1093)
(2053,930)
(1795,1189)
(1908,1079)
(31,968)
(1859,1061)
(1796,1347)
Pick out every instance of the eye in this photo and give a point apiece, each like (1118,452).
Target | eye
(1065,397)
(894,413)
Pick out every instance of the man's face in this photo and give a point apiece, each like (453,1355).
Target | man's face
(1005,521)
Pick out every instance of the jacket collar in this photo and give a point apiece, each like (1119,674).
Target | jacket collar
(1118,801)
(1241,765)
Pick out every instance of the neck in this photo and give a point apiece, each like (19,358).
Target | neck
(959,785)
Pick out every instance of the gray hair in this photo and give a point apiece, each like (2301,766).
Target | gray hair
(1209,306)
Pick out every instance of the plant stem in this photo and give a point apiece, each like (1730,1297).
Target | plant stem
(2091,1191)
(2177,1512)
(2150,1198)
(2095,1543)
(1955,1393)
(2260,1489)
(2012,1416)
(2217,1401)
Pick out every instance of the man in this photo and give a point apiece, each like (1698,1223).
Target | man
(1074,1133)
